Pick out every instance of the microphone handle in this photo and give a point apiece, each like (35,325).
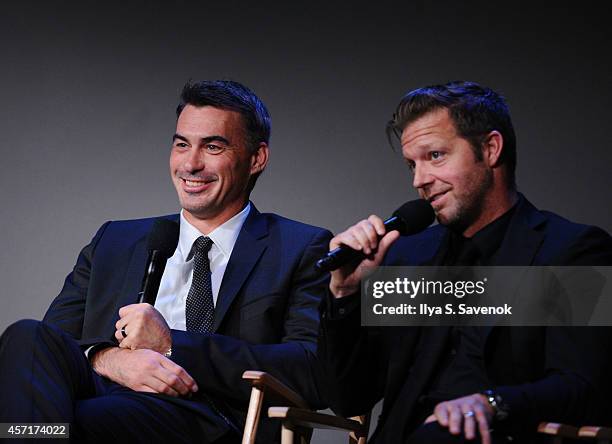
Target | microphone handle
(343,254)
(152,277)
(338,257)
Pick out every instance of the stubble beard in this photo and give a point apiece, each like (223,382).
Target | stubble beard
(469,205)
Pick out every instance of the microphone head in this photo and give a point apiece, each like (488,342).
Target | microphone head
(163,237)
(415,216)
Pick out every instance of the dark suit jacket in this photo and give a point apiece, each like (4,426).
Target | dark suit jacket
(553,373)
(266,316)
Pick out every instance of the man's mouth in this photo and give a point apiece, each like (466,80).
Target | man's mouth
(437,200)
(436,196)
(196,185)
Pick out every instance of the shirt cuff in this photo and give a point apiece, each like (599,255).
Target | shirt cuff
(91,351)
(339,308)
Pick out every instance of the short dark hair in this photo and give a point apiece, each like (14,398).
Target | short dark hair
(233,96)
(474,109)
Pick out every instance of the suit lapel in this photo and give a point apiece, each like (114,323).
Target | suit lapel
(251,243)
(100,320)
(135,272)
(522,241)
(132,285)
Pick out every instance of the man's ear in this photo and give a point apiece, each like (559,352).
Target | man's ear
(259,159)
(492,148)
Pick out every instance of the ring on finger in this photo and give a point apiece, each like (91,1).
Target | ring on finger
(123,332)
(469,413)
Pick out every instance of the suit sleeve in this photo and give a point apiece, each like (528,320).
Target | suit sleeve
(354,358)
(67,311)
(217,361)
(576,360)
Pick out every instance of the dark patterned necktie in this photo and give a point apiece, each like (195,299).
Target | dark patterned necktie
(200,309)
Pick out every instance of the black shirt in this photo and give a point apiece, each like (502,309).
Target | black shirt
(462,372)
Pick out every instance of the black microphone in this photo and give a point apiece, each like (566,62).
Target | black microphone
(411,218)
(161,244)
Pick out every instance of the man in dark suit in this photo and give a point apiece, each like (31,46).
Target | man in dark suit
(449,384)
(240,292)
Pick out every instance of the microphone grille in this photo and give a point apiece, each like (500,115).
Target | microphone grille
(416,215)
(163,237)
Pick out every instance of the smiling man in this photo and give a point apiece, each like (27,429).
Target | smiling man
(240,292)
(456,179)
(451,384)
(214,186)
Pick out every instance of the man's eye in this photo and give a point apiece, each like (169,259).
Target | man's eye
(214,149)
(435,155)
(180,145)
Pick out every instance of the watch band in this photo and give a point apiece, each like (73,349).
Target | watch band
(500,409)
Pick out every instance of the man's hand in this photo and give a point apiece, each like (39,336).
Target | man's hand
(363,236)
(145,327)
(143,371)
(470,411)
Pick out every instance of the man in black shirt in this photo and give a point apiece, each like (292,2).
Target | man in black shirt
(447,384)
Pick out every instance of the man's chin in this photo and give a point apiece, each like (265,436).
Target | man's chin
(197,211)
(449,219)
(443,217)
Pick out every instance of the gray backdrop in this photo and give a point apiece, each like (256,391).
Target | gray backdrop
(88,92)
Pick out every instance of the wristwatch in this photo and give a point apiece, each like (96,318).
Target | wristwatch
(500,409)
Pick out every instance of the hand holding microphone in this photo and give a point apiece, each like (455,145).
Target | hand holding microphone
(144,327)
(366,243)
(141,325)
(368,237)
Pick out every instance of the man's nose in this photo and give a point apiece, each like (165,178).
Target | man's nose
(422,177)
(194,160)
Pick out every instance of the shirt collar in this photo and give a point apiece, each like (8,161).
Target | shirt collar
(224,236)
(489,238)
(482,246)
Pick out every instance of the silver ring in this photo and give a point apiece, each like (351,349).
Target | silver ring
(469,414)
(123,333)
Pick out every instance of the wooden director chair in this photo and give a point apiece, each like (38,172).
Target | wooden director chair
(298,420)
(561,433)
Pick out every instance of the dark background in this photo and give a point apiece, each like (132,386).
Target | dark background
(88,92)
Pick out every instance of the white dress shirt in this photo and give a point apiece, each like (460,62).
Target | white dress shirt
(176,280)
